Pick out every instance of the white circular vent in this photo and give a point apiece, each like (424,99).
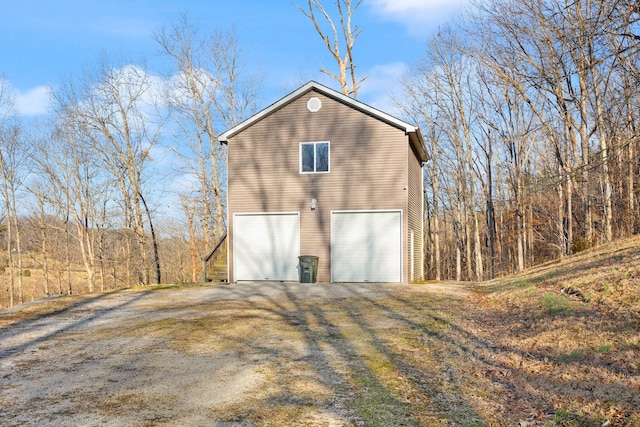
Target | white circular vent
(314,104)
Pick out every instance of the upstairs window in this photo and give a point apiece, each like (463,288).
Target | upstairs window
(314,157)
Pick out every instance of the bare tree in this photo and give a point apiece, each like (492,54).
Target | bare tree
(117,113)
(337,39)
(511,127)
(420,103)
(10,163)
(71,168)
(12,160)
(208,94)
(562,58)
(41,224)
(441,91)
(457,74)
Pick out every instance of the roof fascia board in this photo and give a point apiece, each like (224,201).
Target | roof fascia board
(418,142)
(381,115)
(325,91)
(265,112)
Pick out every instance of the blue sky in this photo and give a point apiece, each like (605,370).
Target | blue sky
(43,42)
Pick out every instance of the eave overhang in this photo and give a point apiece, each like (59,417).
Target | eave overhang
(413,132)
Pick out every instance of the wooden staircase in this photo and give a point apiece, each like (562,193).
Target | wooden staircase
(214,265)
(219,271)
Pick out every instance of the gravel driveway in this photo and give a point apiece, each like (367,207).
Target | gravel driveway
(184,356)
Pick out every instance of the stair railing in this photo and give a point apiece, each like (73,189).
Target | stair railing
(206,259)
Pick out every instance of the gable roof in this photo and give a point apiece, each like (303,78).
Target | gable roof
(415,136)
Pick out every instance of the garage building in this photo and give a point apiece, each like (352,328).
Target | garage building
(319,173)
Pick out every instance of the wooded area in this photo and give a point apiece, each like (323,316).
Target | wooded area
(75,215)
(530,110)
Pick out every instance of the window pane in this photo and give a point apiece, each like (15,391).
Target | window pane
(322,157)
(306,160)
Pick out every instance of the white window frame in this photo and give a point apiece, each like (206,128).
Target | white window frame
(315,143)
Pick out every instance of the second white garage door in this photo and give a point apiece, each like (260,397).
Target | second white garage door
(366,246)
(266,246)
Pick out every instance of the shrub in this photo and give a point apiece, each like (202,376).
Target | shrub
(580,244)
(555,303)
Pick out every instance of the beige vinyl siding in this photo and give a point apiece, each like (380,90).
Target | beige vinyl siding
(367,170)
(414,215)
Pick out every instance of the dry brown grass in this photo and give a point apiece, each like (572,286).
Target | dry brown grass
(566,337)
(556,346)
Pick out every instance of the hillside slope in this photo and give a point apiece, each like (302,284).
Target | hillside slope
(569,334)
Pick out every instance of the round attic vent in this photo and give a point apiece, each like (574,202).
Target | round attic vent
(314,104)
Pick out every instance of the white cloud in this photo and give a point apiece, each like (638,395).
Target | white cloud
(32,102)
(419,16)
(403,7)
(383,81)
(184,183)
(164,158)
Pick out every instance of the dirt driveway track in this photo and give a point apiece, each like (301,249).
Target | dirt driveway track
(240,355)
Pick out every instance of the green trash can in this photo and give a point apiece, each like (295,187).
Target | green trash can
(308,268)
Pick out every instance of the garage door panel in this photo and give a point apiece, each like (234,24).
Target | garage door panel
(266,246)
(366,246)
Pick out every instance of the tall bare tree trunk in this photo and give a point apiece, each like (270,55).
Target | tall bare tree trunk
(436,247)
(520,238)
(154,241)
(18,248)
(67,250)
(10,255)
(436,221)
(434,182)
(631,196)
(562,244)
(346,76)
(193,251)
(477,244)
(101,262)
(43,243)
(457,226)
(569,215)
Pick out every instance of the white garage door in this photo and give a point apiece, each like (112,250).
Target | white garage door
(266,246)
(366,246)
